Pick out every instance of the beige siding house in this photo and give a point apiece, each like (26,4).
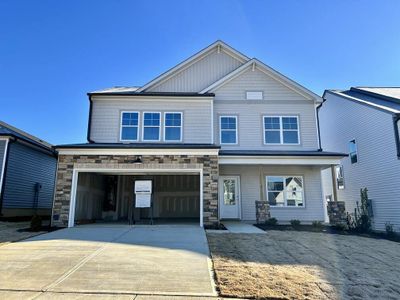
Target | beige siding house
(207,139)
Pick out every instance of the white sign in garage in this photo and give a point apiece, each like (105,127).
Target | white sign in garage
(143,190)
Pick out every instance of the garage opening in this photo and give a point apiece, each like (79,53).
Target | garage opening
(111,198)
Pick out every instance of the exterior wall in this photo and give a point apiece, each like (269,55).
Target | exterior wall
(27,166)
(106,117)
(252,187)
(2,152)
(200,74)
(278,100)
(66,164)
(378,167)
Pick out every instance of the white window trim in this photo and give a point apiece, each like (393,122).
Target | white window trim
(121,126)
(236,130)
(285,192)
(254,91)
(159,126)
(281,130)
(165,126)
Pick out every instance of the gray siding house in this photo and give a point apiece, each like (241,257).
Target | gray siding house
(27,173)
(214,134)
(364,122)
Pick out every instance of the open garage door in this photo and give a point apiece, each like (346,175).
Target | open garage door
(102,197)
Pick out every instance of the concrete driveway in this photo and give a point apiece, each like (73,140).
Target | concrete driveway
(163,260)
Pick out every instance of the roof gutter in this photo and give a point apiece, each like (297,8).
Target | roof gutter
(90,119)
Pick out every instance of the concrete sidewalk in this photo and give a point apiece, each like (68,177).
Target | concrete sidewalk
(125,260)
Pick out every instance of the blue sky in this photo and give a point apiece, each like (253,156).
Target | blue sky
(53,52)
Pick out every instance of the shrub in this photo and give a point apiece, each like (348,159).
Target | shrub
(317,224)
(36,223)
(360,221)
(271,222)
(340,227)
(389,229)
(295,223)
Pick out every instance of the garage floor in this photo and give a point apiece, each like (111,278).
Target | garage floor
(117,259)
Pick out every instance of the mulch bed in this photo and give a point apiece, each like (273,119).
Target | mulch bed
(329,230)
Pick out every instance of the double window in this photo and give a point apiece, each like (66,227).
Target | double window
(151,126)
(285,191)
(281,130)
(228,130)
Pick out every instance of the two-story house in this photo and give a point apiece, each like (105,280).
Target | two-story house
(214,134)
(365,123)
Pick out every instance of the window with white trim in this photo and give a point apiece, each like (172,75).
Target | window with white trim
(129,126)
(285,191)
(339,177)
(353,151)
(254,95)
(228,129)
(281,130)
(151,126)
(173,126)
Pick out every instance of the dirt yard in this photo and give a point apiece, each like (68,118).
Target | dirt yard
(305,265)
(9,232)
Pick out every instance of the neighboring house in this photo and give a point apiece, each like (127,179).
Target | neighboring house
(27,173)
(364,122)
(214,134)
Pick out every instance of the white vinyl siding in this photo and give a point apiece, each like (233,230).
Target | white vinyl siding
(378,167)
(105,126)
(252,181)
(200,74)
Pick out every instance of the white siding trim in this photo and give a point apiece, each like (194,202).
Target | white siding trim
(3,167)
(76,171)
(277,160)
(158,151)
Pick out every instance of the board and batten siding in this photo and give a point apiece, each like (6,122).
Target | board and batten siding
(25,167)
(200,74)
(106,117)
(252,188)
(378,167)
(278,100)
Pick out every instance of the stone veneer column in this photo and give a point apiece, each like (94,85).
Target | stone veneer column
(66,164)
(337,212)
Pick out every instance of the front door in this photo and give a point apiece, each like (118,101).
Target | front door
(229,197)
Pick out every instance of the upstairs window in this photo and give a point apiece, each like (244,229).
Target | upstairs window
(353,151)
(228,129)
(285,191)
(129,126)
(151,126)
(254,95)
(173,126)
(281,130)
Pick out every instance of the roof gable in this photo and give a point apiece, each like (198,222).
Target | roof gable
(256,64)
(231,57)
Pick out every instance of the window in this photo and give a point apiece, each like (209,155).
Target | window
(254,95)
(228,129)
(281,130)
(129,126)
(173,126)
(285,191)
(353,151)
(340,177)
(151,126)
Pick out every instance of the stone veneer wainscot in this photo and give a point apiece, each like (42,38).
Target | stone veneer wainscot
(66,164)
